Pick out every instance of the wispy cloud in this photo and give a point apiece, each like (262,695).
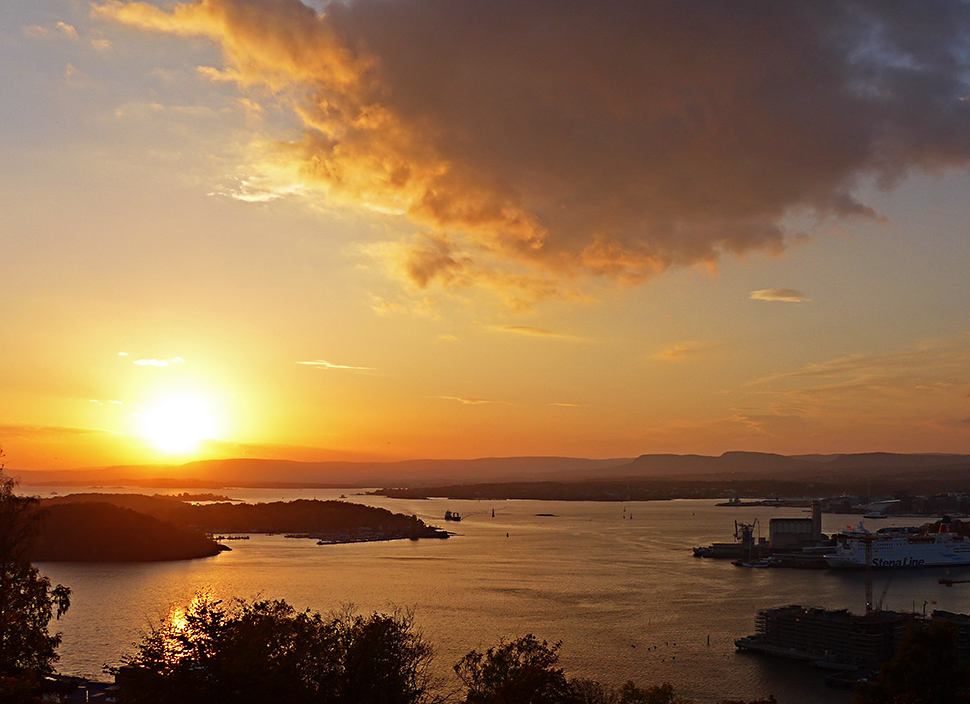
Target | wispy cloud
(685,350)
(421,306)
(158,362)
(916,384)
(66,30)
(45,432)
(464,400)
(788,295)
(61,28)
(530,331)
(321,364)
(927,356)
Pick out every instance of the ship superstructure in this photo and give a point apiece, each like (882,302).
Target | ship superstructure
(900,547)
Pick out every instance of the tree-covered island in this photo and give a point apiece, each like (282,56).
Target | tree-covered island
(137,528)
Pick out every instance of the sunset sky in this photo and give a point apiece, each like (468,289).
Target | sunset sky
(389,229)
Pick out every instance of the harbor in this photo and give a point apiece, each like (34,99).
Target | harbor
(625,596)
(850,646)
(800,543)
(853,646)
(791,542)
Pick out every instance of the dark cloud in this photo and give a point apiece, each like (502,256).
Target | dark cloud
(612,139)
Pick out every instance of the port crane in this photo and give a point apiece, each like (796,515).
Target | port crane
(744,533)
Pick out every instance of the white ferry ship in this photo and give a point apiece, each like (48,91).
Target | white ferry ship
(901,547)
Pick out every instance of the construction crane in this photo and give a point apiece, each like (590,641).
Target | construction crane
(885,590)
(868,573)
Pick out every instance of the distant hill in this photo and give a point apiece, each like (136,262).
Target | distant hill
(279,473)
(730,465)
(766,466)
(284,473)
(102,532)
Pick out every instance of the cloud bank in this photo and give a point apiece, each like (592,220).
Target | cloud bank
(562,139)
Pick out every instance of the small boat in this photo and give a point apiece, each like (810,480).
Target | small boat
(761,564)
(452,516)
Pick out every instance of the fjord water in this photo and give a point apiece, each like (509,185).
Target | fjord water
(615,582)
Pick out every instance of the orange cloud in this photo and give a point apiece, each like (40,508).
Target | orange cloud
(685,350)
(465,401)
(788,295)
(919,382)
(531,331)
(610,140)
(274,43)
(321,364)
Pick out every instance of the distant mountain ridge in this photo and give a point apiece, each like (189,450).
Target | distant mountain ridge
(245,472)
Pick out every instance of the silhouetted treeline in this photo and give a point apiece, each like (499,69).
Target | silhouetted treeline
(101,532)
(267,652)
(302,516)
(330,519)
(633,489)
(186,496)
(620,490)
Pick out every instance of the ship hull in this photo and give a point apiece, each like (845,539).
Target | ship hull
(908,562)
(901,552)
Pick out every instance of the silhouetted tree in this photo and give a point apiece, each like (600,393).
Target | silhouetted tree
(266,651)
(524,671)
(593,692)
(28,602)
(521,671)
(924,670)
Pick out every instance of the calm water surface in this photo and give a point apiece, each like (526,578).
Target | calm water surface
(615,582)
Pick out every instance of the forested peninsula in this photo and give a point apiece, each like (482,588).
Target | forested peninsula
(102,532)
(137,528)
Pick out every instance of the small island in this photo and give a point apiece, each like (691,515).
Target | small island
(139,528)
(196,498)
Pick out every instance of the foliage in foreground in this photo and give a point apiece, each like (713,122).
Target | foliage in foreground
(28,602)
(926,669)
(266,651)
(524,671)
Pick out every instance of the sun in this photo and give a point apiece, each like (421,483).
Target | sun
(177,425)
